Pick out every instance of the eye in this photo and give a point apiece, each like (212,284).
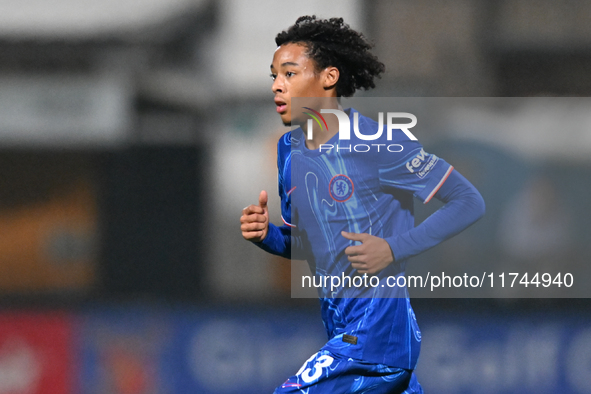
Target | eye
(273,76)
(289,74)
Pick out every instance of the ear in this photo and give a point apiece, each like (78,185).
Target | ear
(330,77)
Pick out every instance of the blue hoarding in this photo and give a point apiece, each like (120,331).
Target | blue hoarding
(252,350)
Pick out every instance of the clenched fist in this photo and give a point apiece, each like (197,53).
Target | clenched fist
(254,221)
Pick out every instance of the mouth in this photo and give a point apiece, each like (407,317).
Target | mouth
(281,105)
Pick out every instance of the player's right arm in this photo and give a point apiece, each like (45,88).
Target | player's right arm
(283,240)
(256,228)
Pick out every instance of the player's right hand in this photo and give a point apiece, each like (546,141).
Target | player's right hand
(254,221)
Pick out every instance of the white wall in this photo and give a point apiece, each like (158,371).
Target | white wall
(242,50)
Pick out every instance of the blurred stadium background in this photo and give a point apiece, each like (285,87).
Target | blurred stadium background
(132,133)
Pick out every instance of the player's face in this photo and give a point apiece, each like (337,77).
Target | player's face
(294,75)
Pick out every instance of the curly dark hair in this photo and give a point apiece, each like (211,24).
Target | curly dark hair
(331,42)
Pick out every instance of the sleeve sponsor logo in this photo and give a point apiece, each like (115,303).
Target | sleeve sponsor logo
(418,166)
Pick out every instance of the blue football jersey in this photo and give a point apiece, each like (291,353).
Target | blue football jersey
(362,187)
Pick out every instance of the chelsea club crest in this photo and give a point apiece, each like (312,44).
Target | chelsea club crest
(340,188)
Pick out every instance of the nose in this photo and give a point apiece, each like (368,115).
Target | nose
(277,86)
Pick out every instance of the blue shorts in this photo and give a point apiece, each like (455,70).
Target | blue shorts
(326,372)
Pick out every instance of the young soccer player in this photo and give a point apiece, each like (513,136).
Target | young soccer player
(350,214)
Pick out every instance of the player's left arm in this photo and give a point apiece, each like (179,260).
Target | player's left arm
(426,176)
(372,255)
(463,206)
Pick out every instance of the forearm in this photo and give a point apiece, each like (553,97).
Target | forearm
(464,206)
(281,242)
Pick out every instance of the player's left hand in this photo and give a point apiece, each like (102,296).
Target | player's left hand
(373,255)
